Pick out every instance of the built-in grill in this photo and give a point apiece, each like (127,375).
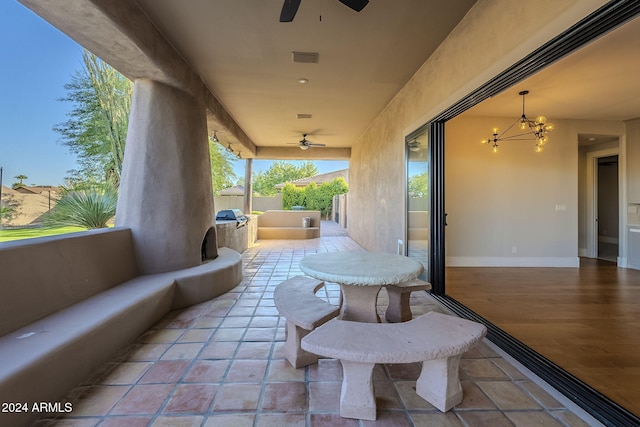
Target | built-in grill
(232,215)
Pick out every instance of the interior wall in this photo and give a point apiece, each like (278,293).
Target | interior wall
(475,51)
(515,207)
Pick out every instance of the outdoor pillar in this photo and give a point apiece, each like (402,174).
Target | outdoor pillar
(248,186)
(165,193)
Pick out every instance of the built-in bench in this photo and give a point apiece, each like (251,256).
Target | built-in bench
(288,225)
(69,303)
(399,308)
(437,340)
(296,301)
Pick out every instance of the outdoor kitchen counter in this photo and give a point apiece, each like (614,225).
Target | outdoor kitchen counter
(360,274)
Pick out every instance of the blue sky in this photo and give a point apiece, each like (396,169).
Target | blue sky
(36,61)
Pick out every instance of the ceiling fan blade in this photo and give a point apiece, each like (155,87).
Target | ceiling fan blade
(315,144)
(289,10)
(356,5)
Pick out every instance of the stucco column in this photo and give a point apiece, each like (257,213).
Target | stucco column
(248,186)
(165,191)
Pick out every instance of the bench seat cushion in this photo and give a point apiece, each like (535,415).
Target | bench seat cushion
(430,336)
(62,349)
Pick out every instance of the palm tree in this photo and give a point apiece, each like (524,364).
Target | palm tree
(20,178)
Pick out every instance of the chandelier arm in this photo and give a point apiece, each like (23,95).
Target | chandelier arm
(499,137)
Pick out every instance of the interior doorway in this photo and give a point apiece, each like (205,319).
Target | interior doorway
(602,188)
(607,208)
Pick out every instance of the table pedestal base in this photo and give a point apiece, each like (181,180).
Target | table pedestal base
(359,303)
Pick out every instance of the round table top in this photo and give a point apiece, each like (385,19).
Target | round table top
(361,268)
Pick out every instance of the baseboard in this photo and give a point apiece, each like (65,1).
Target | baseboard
(513,261)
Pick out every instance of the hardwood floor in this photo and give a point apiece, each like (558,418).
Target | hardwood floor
(586,320)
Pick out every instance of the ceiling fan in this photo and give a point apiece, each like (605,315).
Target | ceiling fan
(290,7)
(305,144)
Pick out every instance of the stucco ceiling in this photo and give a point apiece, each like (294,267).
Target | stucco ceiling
(244,55)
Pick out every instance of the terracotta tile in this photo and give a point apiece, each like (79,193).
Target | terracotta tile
(228,334)
(260,334)
(126,373)
(285,397)
(264,322)
(143,399)
(326,370)
(196,335)
(69,422)
(405,371)
(165,371)
(207,322)
(386,396)
(183,421)
(569,418)
(507,395)
(219,350)
(281,370)
(324,396)
(242,311)
(436,419)
(182,351)
(148,352)
(237,397)
(279,420)
(484,418)
(247,371)
(207,371)
(266,311)
(482,369)
(236,322)
(474,398)
(509,369)
(230,420)
(544,398)
(411,400)
(532,419)
(389,419)
(98,400)
(331,420)
(190,398)
(131,421)
(254,350)
(162,336)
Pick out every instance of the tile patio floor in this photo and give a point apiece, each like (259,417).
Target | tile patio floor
(220,364)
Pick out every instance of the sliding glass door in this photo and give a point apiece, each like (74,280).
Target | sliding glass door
(418,199)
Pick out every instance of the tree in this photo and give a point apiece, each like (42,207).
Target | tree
(20,178)
(313,196)
(418,185)
(264,182)
(222,175)
(97,127)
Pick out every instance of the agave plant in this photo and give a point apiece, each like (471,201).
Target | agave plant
(89,206)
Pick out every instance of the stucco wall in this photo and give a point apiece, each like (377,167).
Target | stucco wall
(493,36)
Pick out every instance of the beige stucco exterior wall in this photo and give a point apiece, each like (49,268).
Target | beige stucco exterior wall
(494,35)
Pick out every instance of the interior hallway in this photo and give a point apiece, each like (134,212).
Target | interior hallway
(220,363)
(586,320)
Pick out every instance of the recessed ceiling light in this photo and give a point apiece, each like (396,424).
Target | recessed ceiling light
(302,80)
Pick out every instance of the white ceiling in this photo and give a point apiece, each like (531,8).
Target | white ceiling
(244,55)
(601,81)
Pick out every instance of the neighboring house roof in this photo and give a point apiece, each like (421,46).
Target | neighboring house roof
(319,179)
(237,190)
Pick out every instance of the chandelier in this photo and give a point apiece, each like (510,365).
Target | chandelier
(535,130)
